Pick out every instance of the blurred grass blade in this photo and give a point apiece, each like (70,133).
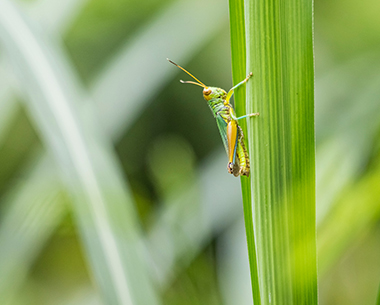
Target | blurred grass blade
(233,266)
(340,164)
(7,105)
(103,208)
(238,54)
(55,16)
(28,225)
(279,43)
(140,50)
(55,20)
(346,222)
(192,218)
(117,93)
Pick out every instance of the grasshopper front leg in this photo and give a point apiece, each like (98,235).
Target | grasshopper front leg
(231,92)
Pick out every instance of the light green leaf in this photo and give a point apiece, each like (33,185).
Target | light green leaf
(110,91)
(238,54)
(102,204)
(279,44)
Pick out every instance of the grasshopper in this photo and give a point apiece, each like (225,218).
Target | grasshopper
(229,129)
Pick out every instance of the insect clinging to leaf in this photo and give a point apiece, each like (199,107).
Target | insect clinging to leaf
(230,131)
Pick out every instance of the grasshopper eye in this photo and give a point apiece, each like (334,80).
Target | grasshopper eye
(206,91)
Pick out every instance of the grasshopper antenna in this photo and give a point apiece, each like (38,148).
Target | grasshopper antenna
(188,82)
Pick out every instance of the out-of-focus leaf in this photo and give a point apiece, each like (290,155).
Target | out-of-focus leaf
(56,16)
(104,210)
(234,268)
(141,50)
(192,218)
(28,224)
(345,101)
(356,210)
(348,116)
(7,105)
(140,69)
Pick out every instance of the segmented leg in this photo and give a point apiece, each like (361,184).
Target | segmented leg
(242,155)
(231,91)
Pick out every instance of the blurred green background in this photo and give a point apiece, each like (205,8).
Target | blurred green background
(169,153)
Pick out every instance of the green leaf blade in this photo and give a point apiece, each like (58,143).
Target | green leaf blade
(282,146)
(238,54)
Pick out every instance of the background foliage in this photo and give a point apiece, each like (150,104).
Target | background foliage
(159,143)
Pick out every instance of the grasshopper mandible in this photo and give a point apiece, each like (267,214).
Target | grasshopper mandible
(229,129)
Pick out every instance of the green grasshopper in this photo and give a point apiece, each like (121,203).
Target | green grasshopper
(229,129)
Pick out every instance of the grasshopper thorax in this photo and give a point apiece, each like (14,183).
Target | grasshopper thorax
(214,92)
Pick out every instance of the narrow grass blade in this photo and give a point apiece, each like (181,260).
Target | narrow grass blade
(135,52)
(27,224)
(192,218)
(103,207)
(238,54)
(7,104)
(344,182)
(347,221)
(340,163)
(56,16)
(279,42)
(117,92)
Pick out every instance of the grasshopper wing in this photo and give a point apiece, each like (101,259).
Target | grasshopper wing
(233,164)
(222,126)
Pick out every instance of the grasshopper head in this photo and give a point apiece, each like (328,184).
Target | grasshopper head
(213,92)
(208,92)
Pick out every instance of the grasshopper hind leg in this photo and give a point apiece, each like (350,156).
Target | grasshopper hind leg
(242,155)
(241,165)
